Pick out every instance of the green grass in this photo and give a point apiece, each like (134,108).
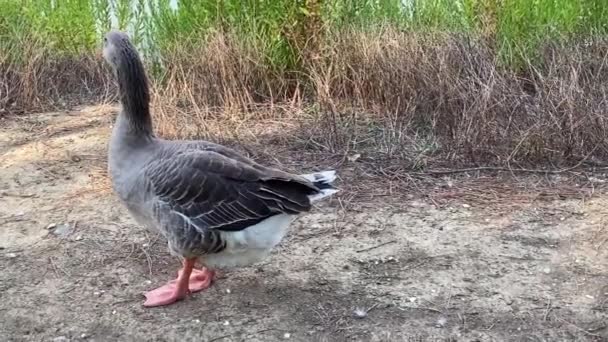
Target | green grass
(518,28)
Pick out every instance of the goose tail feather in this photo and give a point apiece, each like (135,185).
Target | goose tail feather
(323,181)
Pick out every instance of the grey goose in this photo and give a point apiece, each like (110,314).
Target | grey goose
(212,204)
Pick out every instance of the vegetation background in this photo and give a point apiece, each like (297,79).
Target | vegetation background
(405,82)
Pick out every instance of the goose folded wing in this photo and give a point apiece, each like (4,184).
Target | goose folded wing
(225,151)
(212,191)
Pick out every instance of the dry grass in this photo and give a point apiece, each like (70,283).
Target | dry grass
(393,97)
(47,82)
(451,92)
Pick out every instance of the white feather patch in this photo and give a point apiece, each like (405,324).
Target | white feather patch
(252,244)
(324,176)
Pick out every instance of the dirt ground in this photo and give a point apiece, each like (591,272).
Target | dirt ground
(74,265)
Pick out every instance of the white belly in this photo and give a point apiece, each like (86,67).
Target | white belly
(252,244)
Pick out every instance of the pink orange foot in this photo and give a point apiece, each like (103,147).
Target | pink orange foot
(164,295)
(200,279)
(188,280)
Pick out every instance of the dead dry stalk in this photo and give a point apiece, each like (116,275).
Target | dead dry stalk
(418,99)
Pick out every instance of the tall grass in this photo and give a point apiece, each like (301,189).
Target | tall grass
(474,81)
(74,26)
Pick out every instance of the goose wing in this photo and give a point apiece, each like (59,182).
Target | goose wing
(211,191)
(225,151)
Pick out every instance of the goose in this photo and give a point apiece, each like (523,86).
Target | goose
(213,205)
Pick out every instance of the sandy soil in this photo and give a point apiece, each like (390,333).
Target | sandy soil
(74,265)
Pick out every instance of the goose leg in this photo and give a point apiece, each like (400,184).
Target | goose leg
(188,280)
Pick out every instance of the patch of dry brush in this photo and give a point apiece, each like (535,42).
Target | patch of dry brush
(403,96)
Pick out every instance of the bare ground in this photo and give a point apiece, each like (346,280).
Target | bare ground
(74,265)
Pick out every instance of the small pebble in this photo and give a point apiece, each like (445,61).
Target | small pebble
(11,255)
(78,238)
(226,323)
(286,335)
(84,335)
(113,312)
(62,230)
(228,291)
(547,270)
(51,226)
(590,297)
(412,299)
(354,157)
(96,293)
(441,322)
(360,313)
(466,205)
(197,320)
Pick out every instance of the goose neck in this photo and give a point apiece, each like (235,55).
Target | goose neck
(134,93)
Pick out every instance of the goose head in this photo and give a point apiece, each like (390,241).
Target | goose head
(117,46)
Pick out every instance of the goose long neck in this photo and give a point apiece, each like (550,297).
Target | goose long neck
(134,93)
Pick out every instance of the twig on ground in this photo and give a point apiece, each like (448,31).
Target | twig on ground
(148,259)
(10,194)
(547,311)
(377,246)
(425,308)
(55,268)
(219,338)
